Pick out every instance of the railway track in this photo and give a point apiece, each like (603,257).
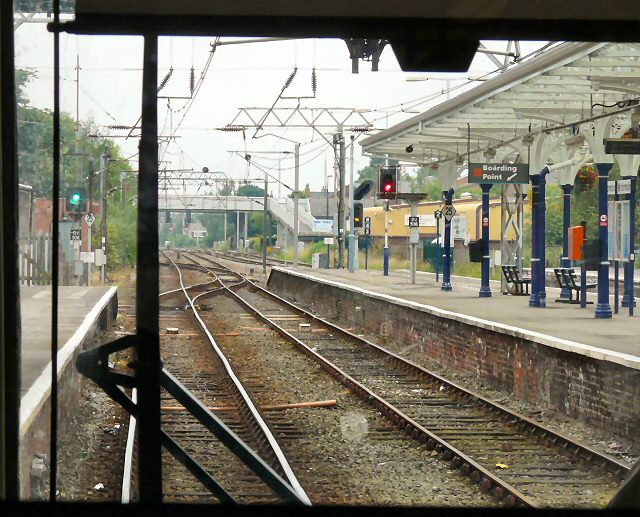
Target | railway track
(516,459)
(248,258)
(196,361)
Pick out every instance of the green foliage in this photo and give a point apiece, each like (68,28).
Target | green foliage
(35,166)
(35,148)
(228,188)
(249,190)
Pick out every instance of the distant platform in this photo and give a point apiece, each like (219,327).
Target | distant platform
(559,325)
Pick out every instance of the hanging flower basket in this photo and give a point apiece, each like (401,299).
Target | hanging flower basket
(586,178)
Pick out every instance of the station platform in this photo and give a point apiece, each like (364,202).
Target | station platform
(82,312)
(560,356)
(558,324)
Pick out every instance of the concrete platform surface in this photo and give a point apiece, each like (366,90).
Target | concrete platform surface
(77,305)
(559,324)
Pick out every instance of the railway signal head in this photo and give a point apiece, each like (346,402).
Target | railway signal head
(187,218)
(167,217)
(358,216)
(76,200)
(387,182)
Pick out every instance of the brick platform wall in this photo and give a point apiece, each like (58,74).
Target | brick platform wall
(603,394)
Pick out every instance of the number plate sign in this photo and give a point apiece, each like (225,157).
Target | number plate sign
(448,212)
(89,218)
(367,225)
(438,214)
(414,221)
(75,234)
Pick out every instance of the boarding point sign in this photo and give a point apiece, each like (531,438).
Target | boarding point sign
(498,173)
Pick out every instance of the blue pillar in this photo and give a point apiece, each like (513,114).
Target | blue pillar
(565,262)
(535,259)
(446,269)
(542,238)
(603,308)
(627,299)
(485,289)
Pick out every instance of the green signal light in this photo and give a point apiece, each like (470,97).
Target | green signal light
(75,198)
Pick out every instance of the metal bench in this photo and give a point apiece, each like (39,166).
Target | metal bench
(567,278)
(512,276)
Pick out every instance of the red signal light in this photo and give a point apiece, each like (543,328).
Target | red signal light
(388,187)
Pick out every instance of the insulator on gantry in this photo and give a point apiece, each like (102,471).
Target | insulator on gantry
(314,80)
(164,81)
(290,78)
(192,80)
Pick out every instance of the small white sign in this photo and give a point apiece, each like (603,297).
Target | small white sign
(423,220)
(328,240)
(87,257)
(323,225)
(89,218)
(101,258)
(624,186)
(414,236)
(611,188)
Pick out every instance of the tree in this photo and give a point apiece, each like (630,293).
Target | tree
(370,172)
(35,165)
(228,188)
(35,147)
(250,190)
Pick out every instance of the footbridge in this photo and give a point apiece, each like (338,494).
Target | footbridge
(281,209)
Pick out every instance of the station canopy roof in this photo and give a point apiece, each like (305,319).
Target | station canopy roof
(565,85)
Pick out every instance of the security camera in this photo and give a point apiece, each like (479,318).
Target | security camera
(409,148)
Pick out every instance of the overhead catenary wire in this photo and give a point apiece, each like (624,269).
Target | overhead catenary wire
(286,85)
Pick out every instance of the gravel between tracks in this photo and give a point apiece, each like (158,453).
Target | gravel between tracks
(346,455)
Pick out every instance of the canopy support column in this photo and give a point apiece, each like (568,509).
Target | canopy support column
(628,299)
(485,288)
(446,274)
(565,293)
(542,241)
(535,258)
(603,308)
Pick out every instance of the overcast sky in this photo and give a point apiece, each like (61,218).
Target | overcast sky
(248,75)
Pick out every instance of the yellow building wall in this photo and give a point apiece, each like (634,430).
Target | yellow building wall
(398,228)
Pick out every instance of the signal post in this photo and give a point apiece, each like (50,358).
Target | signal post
(387,189)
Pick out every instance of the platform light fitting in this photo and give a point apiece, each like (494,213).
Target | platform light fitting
(409,148)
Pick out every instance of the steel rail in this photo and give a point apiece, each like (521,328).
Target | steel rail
(502,489)
(254,259)
(555,438)
(128,455)
(288,471)
(591,455)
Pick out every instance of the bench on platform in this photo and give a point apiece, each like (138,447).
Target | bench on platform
(512,276)
(567,279)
